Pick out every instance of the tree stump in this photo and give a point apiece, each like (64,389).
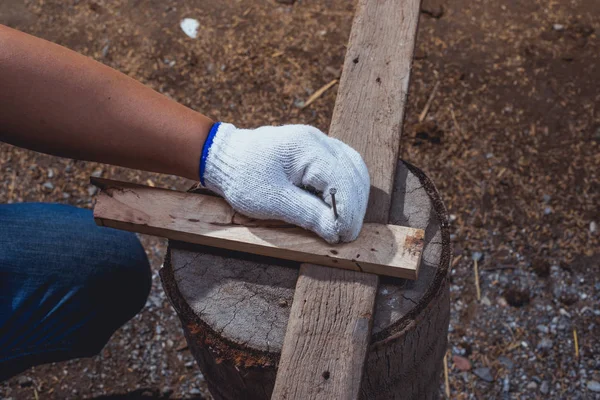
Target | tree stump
(234,308)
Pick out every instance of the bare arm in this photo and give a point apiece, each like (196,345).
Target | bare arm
(56,101)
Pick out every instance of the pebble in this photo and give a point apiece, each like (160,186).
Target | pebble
(485,301)
(545,344)
(547,210)
(593,227)
(24,381)
(98,173)
(564,312)
(189,364)
(543,328)
(92,190)
(51,174)
(547,198)
(195,391)
(190,26)
(49,186)
(532,386)
(506,385)
(545,387)
(484,374)
(477,256)
(507,362)
(594,386)
(558,27)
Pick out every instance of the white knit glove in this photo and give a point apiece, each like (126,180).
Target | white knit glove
(264,173)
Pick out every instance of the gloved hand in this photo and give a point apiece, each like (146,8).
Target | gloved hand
(264,173)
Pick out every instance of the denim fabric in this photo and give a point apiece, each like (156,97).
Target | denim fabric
(66,284)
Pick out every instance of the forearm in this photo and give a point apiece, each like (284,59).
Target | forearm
(56,101)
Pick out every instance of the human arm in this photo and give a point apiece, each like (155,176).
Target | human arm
(56,101)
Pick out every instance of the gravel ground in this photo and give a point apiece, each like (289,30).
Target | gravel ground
(511,139)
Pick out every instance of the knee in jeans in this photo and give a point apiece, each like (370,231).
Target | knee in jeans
(117,288)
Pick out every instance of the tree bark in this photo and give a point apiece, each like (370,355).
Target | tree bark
(234,308)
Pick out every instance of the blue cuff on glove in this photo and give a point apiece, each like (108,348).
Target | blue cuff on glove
(206,148)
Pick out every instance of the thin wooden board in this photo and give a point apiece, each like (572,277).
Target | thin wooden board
(368,116)
(208,220)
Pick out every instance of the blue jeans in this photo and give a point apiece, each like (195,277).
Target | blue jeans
(66,285)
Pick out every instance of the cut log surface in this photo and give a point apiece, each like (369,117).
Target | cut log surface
(235,309)
(202,219)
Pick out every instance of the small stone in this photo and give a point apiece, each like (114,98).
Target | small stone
(593,386)
(547,198)
(48,186)
(24,381)
(50,173)
(92,190)
(532,386)
(507,362)
(195,391)
(486,301)
(484,374)
(543,328)
(545,344)
(66,195)
(98,173)
(545,387)
(189,364)
(547,210)
(461,363)
(190,26)
(506,384)
(558,27)
(105,50)
(593,227)
(477,256)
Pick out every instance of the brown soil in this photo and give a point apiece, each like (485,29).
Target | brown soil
(511,139)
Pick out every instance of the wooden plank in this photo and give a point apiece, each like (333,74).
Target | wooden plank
(370,103)
(381,249)
(368,116)
(330,317)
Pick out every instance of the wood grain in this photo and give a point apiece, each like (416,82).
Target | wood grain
(368,116)
(331,318)
(194,218)
(370,103)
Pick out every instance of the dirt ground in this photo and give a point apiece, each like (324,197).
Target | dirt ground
(512,139)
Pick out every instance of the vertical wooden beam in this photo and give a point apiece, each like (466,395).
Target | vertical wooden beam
(329,329)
